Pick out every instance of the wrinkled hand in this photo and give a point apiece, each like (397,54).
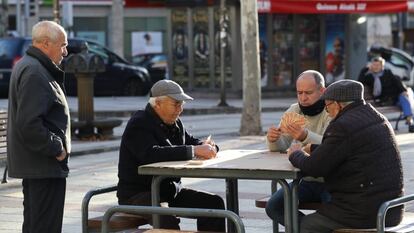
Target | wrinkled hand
(405,94)
(294,147)
(209,141)
(205,151)
(273,134)
(307,148)
(297,132)
(62,155)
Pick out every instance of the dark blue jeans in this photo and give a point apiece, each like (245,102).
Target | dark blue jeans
(308,191)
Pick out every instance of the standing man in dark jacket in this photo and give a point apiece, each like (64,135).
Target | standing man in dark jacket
(156,134)
(388,89)
(38,133)
(358,158)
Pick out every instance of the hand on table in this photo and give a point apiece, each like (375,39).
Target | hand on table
(205,151)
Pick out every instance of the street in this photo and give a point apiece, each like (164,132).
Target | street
(98,170)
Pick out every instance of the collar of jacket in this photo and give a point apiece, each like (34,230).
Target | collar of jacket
(54,70)
(350,106)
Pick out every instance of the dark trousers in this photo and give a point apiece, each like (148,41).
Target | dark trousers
(43,203)
(186,198)
(317,223)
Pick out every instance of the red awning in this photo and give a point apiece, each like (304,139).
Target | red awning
(332,6)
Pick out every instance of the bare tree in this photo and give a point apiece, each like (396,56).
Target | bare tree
(3,18)
(250,121)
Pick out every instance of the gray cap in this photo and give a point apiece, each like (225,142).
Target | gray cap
(169,88)
(344,91)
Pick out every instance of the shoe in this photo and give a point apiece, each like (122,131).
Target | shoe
(411,128)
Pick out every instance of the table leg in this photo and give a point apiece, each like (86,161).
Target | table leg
(288,205)
(232,200)
(295,220)
(155,198)
(275,224)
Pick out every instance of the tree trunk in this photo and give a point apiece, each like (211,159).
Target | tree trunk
(250,121)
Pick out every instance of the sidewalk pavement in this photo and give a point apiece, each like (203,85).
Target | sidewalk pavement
(123,107)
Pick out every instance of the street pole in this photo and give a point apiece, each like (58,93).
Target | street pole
(56,11)
(250,121)
(223,45)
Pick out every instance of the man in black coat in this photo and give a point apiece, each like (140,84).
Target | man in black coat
(388,89)
(38,132)
(358,158)
(156,134)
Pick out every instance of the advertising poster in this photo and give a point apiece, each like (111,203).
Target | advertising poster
(335,48)
(201,50)
(180,46)
(217,44)
(263,48)
(146,42)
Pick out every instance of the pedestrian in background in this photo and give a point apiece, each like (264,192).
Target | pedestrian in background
(310,86)
(38,133)
(388,89)
(359,160)
(157,134)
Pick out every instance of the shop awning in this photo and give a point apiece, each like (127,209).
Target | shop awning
(332,6)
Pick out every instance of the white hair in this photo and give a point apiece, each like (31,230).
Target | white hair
(152,100)
(47,30)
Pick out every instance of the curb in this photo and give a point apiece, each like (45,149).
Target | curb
(186,112)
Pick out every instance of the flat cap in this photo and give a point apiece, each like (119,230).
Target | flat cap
(169,88)
(344,91)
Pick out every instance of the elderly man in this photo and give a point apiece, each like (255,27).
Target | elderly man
(359,160)
(310,86)
(156,134)
(38,133)
(387,89)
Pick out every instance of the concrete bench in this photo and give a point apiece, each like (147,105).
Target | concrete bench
(3,141)
(407,224)
(182,212)
(117,222)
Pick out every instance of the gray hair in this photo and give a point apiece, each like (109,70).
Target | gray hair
(47,30)
(319,79)
(152,100)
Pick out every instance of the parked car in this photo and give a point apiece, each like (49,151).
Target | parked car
(120,77)
(156,64)
(399,62)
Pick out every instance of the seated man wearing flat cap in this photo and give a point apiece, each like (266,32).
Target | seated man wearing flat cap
(156,134)
(359,160)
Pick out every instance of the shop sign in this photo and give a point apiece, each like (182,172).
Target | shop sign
(331,7)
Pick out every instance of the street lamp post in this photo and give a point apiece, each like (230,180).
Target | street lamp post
(56,11)
(223,45)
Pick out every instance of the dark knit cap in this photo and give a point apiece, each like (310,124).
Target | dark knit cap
(344,91)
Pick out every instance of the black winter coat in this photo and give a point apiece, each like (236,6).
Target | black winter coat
(38,119)
(361,164)
(392,86)
(146,140)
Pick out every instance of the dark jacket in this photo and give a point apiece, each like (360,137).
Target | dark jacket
(146,140)
(38,119)
(361,164)
(392,86)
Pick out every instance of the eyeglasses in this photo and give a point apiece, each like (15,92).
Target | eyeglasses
(177,104)
(326,106)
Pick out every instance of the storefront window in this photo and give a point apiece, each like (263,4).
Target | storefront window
(308,27)
(282,54)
